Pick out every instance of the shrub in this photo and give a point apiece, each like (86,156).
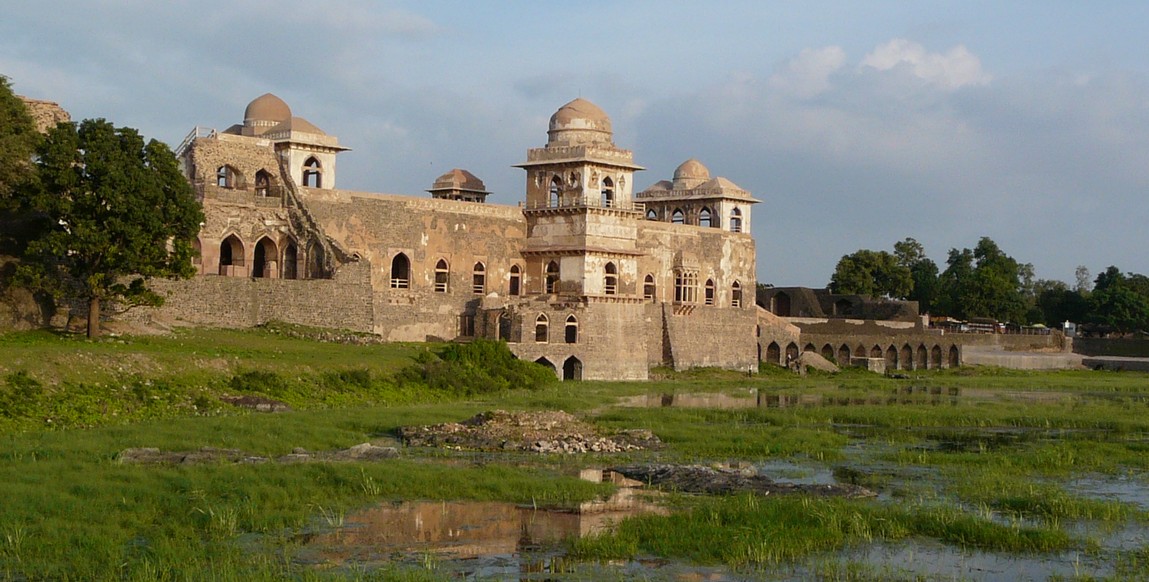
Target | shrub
(20,396)
(478,367)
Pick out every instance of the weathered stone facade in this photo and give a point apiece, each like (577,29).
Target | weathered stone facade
(582,276)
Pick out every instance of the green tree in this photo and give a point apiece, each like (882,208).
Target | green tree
(18,140)
(871,273)
(923,271)
(1120,301)
(119,212)
(1057,303)
(984,282)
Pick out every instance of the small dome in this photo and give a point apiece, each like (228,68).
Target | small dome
(578,122)
(458,180)
(267,107)
(692,169)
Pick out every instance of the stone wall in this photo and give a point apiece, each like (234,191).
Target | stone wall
(342,302)
(701,336)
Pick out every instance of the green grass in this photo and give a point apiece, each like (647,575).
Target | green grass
(72,511)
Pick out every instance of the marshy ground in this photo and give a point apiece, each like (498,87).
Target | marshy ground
(979,474)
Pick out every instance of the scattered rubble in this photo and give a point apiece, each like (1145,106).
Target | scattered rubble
(723,481)
(539,432)
(154,456)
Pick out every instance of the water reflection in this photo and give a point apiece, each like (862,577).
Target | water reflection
(463,529)
(931,395)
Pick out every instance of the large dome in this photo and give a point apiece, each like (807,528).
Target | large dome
(579,122)
(267,108)
(690,174)
(691,168)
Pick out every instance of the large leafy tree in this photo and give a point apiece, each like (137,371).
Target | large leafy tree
(984,282)
(1120,301)
(119,212)
(18,139)
(923,271)
(871,273)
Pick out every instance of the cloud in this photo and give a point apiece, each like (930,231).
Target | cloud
(808,74)
(956,68)
(906,142)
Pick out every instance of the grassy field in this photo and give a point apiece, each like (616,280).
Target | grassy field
(980,459)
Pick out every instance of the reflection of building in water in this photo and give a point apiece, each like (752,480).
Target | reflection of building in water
(471,529)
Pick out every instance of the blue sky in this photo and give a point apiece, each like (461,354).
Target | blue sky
(856,123)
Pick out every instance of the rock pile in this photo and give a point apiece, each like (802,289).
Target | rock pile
(540,432)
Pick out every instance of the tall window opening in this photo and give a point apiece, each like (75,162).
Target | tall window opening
(400,272)
(607,193)
(263,263)
(556,191)
(705,218)
(479,279)
(685,286)
(736,294)
(648,288)
(552,277)
(516,284)
(709,292)
(541,328)
(651,214)
(262,183)
(312,173)
(571,335)
(610,283)
(678,217)
(736,220)
(442,276)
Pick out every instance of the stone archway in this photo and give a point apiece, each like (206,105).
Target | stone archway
(572,369)
(774,353)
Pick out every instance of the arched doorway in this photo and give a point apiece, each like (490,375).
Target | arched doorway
(263,263)
(936,356)
(923,357)
(291,261)
(891,358)
(572,369)
(400,272)
(955,357)
(774,353)
(548,364)
(844,355)
(906,358)
(791,352)
(231,257)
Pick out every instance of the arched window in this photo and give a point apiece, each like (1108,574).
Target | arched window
(736,294)
(262,183)
(704,218)
(312,173)
(227,177)
(442,276)
(651,214)
(572,369)
(290,260)
(607,193)
(479,279)
(685,286)
(709,290)
(400,272)
(571,335)
(648,288)
(556,191)
(552,277)
(541,325)
(610,281)
(678,217)
(736,220)
(516,285)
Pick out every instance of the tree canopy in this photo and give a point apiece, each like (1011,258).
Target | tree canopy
(117,212)
(18,139)
(871,273)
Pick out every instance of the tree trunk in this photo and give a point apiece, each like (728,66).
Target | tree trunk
(93,317)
